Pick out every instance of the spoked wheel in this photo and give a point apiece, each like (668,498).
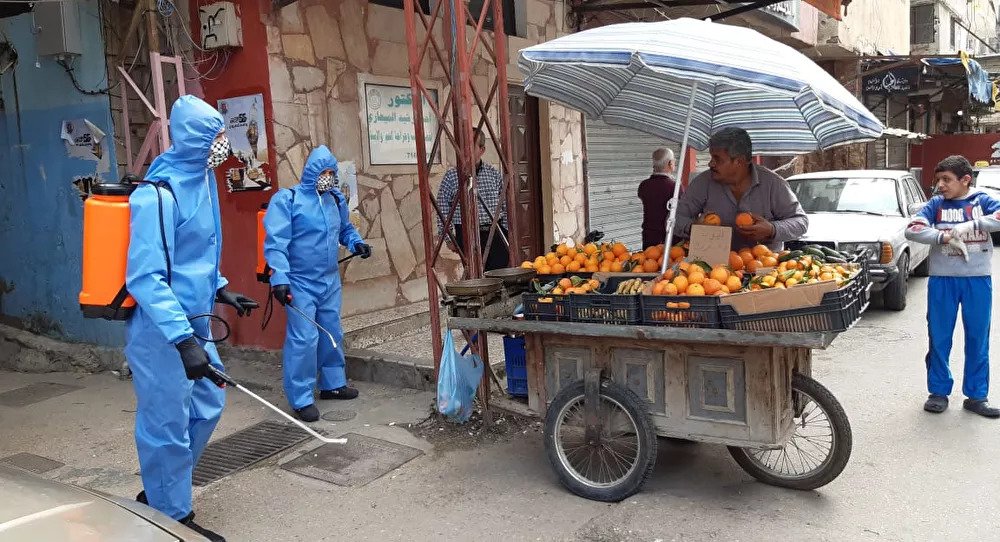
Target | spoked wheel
(817,451)
(614,462)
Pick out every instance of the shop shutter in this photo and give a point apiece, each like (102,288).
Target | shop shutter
(618,159)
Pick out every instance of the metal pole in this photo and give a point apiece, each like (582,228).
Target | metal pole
(506,156)
(672,205)
(423,170)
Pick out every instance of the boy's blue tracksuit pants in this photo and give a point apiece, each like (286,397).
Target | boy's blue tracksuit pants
(944,296)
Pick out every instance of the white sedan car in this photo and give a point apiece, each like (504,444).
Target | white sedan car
(850,210)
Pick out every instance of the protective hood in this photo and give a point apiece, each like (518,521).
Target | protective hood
(193,126)
(320,159)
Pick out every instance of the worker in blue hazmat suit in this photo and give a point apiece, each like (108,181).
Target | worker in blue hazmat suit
(173,274)
(305,227)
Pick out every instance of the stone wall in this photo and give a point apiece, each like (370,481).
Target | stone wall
(317,50)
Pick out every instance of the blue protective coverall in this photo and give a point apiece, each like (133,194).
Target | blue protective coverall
(304,233)
(174,416)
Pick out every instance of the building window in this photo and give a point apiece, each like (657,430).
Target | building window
(922,27)
(954,33)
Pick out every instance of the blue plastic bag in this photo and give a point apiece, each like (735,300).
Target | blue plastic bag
(458,380)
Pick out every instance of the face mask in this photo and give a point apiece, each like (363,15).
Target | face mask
(219,152)
(326,182)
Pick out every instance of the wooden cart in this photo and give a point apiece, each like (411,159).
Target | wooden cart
(606,392)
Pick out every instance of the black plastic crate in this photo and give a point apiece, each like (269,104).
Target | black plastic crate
(606,307)
(838,311)
(556,310)
(680,311)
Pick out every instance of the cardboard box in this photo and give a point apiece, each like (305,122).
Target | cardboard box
(779,299)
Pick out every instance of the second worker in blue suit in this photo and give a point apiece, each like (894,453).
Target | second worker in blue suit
(306,225)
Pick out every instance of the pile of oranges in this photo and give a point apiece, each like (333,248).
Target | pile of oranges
(698,279)
(593,258)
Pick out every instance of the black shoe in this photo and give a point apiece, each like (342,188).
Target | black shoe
(936,404)
(211,535)
(344,392)
(141,497)
(308,413)
(982,408)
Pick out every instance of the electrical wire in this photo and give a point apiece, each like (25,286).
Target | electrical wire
(72,76)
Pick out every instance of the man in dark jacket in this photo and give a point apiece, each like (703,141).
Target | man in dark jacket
(655,192)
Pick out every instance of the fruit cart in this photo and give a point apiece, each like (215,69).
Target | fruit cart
(607,392)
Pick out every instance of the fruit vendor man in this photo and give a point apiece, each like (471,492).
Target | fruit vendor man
(755,201)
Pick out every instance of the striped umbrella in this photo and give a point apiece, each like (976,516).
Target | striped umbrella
(685,79)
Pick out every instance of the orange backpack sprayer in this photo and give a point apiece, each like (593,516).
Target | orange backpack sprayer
(106,216)
(263,270)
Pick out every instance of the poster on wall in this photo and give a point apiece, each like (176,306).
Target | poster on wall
(244,117)
(389,125)
(85,141)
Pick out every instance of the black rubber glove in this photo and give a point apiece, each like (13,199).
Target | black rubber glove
(282,293)
(363,249)
(240,302)
(194,357)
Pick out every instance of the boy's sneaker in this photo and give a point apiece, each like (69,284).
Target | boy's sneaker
(936,404)
(982,408)
(308,413)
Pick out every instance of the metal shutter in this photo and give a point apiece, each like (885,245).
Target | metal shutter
(618,159)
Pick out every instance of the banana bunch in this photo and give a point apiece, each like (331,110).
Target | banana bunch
(630,287)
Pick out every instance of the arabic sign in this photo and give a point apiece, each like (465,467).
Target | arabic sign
(389,125)
(895,81)
(244,118)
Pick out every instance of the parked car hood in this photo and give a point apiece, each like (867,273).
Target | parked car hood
(33,509)
(851,227)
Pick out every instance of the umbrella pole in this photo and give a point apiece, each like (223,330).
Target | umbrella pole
(672,204)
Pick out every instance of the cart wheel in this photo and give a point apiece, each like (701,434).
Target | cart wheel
(817,451)
(617,462)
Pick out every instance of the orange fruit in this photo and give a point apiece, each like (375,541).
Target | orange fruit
(653,252)
(735,261)
(558,269)
(753,266)
(720,274)
(744,219)
(734,284)
(760,251)
(712,286)
(618,249)
(590,248)
(573,267)
(746,256)
(650,266)
(659,287)
(696,277)
(616,267)
(580,257)
(591,267)
(669,274)
(724,290)
(638,269)
(565,284)
(696,290)
(769,261)
(551,258)
(571,252)
(540,261)
(684,266)
(677,253)
(545,270)
(527,265)
(605,267)
(712,219)
(681,282)
(669,288)
(562,250)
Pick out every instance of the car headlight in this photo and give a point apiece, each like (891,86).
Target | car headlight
(874,249)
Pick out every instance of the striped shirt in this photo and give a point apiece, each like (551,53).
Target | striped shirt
(490,181)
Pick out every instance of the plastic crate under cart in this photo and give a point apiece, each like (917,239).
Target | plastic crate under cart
(516,361)
(546,307)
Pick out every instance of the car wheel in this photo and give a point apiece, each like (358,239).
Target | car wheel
(924,268)
(894,295)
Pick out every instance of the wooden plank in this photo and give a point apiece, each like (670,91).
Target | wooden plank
(536,373)
(648,333)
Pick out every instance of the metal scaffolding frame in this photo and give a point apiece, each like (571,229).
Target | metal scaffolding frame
(463,35)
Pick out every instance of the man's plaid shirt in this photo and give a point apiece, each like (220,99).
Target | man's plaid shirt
(490,181)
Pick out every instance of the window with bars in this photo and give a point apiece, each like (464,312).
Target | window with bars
(922,24)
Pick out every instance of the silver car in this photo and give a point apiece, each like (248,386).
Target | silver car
(850,210)
(35,509)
